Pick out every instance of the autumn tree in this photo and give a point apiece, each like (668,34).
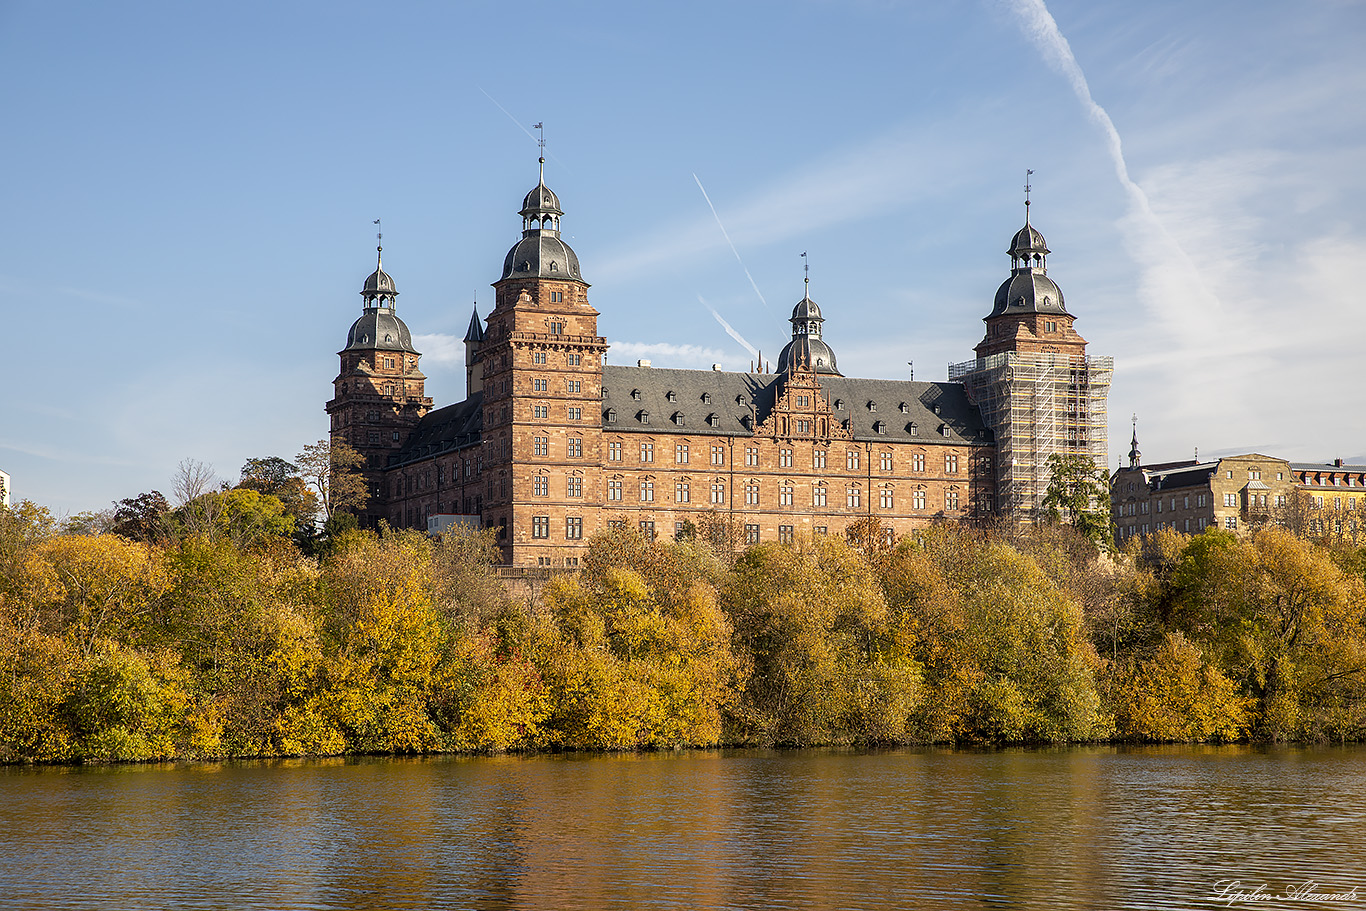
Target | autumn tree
(1078,493)
(331,468)
(142,518)
(275,477)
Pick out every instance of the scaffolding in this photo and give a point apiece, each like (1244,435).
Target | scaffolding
(1038,405)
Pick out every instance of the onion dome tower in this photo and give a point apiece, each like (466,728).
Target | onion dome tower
(540,368)
(1029,314)
(378,395)
(807,350)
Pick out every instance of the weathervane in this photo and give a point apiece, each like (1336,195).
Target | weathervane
(379,242)
(1028,174)
(541,143)
(806,278)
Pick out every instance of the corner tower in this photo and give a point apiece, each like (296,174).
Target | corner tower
(541,364)
(1037,388)
(378,395)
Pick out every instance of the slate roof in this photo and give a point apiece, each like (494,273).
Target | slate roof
(630,392)
(444,429)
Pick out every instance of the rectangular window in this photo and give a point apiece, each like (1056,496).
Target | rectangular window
(818,458)
(538,357)
(785,495)
(573,528)
(647,491)
(614,490)
(573,360)
(575,387)
(541,486)
(718,492)
(819,530)
(575,447)
(557,297)
(751,534)
(886,461)
(950,463)
(918,462)
(540,526)
(918,499)
(576,414)
(1231,522)
(785,534)
(647,452)
(647,528)
(885,498)
(557,328)
(784,458)
(682,492)
(818,495)
(950,499)
(851,460)
(614,452)
(540,412)
(1230,499)
(1185,501)
(803,401)
(1280,500)
(681,453)
(1199,501)
(718,455)
(751,456)
(803,427)
(752,494)
(540,385)
(541,445)
(573,487)
(853,498)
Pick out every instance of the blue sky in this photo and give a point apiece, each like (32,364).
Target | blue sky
(190,191)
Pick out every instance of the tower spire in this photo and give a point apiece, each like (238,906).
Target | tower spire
(1028,174)
(1134,455)
(806,277)
(379,246)
(541,143)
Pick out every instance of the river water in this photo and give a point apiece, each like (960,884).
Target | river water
(1069,828)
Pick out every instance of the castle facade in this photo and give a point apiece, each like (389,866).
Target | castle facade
(551,444)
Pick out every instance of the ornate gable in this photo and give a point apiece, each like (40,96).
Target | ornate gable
(801,410)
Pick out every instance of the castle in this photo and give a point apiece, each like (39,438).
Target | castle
(551,444)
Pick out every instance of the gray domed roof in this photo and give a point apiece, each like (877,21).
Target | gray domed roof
(541,255)
(379,329)
(379,282)
(804,350)
(1027,240)
(541,199)
(1028,292)
(806,309)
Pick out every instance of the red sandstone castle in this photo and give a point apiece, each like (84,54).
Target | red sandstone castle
(550,444)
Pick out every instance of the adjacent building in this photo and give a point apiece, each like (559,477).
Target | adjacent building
(551,444)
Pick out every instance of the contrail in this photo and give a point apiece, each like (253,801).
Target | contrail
(752,283)
(754,352)
(1041,28)
(533,136)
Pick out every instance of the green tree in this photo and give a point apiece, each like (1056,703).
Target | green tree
(275,477)
(331,468)
(1078,493)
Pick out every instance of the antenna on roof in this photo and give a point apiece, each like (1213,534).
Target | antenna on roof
(541,143)
(1028,174)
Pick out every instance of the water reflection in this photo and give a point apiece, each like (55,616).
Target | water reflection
(1075,828)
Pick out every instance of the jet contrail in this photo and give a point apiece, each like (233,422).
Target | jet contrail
(752,283)
(730,330)
(1042,29)
(519,123)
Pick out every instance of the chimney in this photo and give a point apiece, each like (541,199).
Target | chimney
(642,363)
(716,367)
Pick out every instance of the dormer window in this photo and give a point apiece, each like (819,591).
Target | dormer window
(905,409)
(944,429)
(936,408)
(839,404)
(635,394)
(913,429)
(611,415)
(741,400)
(879,426)
(706,398)
(643,417)
(678,418)
(872,406)
(713,420)
(671,396)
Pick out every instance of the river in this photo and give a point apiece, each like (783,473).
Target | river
(1090,827)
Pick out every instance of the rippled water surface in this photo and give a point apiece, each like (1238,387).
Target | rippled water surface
(1077,828)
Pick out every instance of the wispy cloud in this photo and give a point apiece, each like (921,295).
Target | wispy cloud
(667,354)
(439,348)
(730,330)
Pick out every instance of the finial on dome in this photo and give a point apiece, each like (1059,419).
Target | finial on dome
(806,278)
(379,245)
(1028,174)
(1134,455)
(541,142)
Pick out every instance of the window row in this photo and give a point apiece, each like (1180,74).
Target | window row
(853,458)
